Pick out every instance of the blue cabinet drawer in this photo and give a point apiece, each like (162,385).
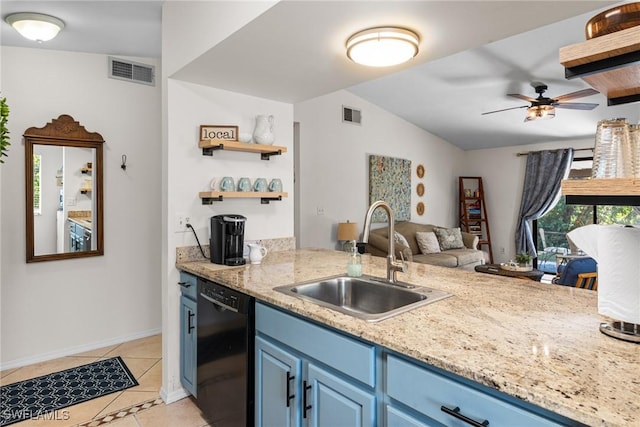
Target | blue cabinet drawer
(428,392)
(342,353)
(396,418)
(189,285)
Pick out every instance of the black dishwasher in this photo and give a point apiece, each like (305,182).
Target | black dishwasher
(225,355)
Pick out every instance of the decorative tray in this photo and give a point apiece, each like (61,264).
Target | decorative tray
(515,267)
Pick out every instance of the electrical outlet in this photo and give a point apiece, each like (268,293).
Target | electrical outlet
(319,210)
(501,250)
(181,223)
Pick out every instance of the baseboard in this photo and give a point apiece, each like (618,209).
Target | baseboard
(174,396)
(18,363)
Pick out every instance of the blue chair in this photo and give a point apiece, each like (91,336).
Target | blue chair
(579,272)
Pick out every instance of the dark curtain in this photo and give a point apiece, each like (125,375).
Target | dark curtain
(543,175)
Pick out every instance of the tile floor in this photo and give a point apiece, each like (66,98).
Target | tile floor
(138,406)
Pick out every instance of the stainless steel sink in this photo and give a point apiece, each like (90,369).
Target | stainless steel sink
(366,298)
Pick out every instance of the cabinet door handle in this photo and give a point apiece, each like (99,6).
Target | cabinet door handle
(305,407)
(184,284)
(289,395)
(189,325)
(455,412)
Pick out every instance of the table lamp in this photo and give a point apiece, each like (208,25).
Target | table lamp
(348,234)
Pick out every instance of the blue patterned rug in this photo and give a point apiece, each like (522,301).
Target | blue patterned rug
(42,397)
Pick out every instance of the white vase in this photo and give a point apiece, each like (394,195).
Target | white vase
(263,133)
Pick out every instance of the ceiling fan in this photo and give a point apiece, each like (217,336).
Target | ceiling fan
(545,108)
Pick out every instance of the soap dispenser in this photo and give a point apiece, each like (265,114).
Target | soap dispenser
(354,263)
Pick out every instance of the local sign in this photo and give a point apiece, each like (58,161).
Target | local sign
(218,133)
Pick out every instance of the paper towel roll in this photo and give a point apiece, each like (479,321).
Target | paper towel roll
(617,250)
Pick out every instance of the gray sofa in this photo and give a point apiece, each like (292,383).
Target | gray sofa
(467,257)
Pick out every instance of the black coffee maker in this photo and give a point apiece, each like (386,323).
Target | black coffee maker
(227,239)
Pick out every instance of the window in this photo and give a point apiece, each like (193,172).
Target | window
(551,230)
(37,196)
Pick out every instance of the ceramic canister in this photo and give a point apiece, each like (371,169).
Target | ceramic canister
(275,185)
(244,184)
(260,185)
(227,184)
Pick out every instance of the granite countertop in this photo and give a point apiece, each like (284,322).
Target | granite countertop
(538,342)
(83,218)
(83,222)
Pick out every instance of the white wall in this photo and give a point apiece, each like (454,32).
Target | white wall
(60,307)
(502,175)
(334,167)
(189,172)
(189,29)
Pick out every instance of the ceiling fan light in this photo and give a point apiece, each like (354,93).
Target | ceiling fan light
(35,26)
(540,112)
(382,46)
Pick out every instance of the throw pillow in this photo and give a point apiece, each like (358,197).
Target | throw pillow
(449,238)
(428,242)
(399,238)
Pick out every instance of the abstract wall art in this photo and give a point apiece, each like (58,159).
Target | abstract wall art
(390,180)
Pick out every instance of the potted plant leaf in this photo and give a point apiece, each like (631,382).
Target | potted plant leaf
(524,260)
(4,131)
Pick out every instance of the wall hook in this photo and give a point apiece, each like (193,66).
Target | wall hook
(124,162)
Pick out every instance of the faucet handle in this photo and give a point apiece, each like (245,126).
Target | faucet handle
(404,264)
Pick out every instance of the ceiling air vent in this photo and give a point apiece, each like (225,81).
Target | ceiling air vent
(351,115)
(132,71)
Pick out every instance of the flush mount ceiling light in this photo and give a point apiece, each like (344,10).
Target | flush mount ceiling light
(35,26)
(382,46)
(540,112)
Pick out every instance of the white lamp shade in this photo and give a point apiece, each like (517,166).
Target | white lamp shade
(35,26)
(382,47)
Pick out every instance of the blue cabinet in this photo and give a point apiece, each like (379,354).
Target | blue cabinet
(313,376)
(398,418)
(188,332)
(276,386)
(308,375)
(332,401)
(442,399)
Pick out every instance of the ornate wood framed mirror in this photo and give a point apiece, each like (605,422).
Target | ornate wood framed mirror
(64,199)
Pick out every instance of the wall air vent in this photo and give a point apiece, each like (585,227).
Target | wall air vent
(122,69)
(351,115)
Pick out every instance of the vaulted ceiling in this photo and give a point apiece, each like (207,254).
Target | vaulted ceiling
(472,54)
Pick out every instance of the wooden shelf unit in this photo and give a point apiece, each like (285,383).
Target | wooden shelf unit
(208,197)
(265,151)
(612,191)
(473,212)
(609,64)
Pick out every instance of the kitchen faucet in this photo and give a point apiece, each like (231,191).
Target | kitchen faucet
(393,265)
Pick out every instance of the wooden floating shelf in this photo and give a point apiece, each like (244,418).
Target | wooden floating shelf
(208,197)
(609,64)
(265,151)
(598,187)
(611,191)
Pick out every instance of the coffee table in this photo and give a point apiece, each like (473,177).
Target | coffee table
(535,275)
